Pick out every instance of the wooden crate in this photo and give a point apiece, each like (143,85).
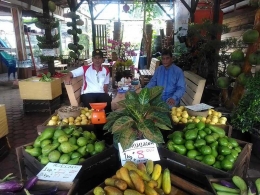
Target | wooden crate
(217,180)
(3,121)
(29,166)
(180,185)
(33,89)
(196,170)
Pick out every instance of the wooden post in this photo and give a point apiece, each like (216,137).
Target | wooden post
(117,31)
(148,33)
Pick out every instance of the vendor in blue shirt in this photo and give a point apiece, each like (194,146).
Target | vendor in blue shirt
(170,77)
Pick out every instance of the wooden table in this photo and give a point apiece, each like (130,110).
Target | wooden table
(121,96)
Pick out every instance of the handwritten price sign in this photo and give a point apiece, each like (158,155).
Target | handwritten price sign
(59,172)
(139,152)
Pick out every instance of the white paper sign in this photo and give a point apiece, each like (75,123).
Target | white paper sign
(139,152)
(199,107)
(48,52)
(59,172)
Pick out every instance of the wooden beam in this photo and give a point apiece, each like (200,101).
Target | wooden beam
(163,9)
(90,5)
(186,5)
(102,10)
(78,5)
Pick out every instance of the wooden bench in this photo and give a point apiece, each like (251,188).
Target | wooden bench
(194,88)
(74,90)
(146,74)
(59,65)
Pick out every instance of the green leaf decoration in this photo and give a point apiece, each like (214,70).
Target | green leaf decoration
(114,115)
(131,95)
(150,131)
(124,122)
(121,103)
(162,126)
(131,106)
(144,96)
(159,105)
(108,125)
(128,138)
(160,118)
(155,92)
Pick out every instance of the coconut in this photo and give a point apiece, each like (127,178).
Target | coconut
(233,70)
(242,78)
(237,55)
(252,58)
(51,6)
(223,82)
(250,36)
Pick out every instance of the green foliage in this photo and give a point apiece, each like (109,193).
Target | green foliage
(142,116)
(247,114)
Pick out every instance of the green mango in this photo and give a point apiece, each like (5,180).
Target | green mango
(29,147)
(82,150)
(63,138)
(81,160)
(86,134)
(93,136)
(180,149)
(37,142)
(45,143)
(74,161)
(44,160)
(64,158)
(68,130)
(90,148)
(47,133)
(189,144)
(34,151)
(67,147)
(48,148)
(73,140)
(76,133)
(75,155)
(191,134)
(58,133)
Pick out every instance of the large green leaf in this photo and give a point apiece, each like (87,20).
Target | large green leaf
(144,96)
(155,92)
(124,122)
(150,131)
(160,117)
(108,125)
(132,106)
(122,103)
(126,138)
(162,126)
(131,95)
(159,105)
(112,116)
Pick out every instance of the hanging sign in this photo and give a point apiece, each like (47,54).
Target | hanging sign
(139,152)
(48,52)
(59,172)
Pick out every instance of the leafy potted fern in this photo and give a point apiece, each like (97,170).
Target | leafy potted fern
(143,116)
(246,116)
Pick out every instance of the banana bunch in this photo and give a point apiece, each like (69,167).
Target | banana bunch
(83,119)
(140,179)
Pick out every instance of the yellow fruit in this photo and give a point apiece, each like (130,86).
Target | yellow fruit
(223,118)
(212,123)
(208,121)
(178,113)
(174,108)
(83,122)
(159,181)
(55,118)
(78,118)
(99,191)
(215,113)
(196,120)
(78,123)
(193,117)
(185,115)
(124,173)
(141,167)
(137,181)
(182,108)
(86,109)
(131,192)
(214,120)
(156,171)
(65,120)
(71,123)
(184,120)
(149,191)
(173,112)
(210,112)
(179,110)
(152,184)
(222,122)
(110,190)
(71,119)
(59,122)
(166,181)
(52,122)
(176,120)
(219,114)
(149,166)
(82,115)
(203,119)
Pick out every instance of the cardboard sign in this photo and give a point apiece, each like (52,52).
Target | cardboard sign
(139,152)
(199,107)
(59,172)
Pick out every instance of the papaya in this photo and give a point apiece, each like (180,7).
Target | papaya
(131,192)
(137,181)
(156,172)
(126,177)
(110,190)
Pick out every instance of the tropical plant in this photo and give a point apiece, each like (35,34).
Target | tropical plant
(246,115)
(142,116)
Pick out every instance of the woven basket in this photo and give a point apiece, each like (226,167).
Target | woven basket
(69,111)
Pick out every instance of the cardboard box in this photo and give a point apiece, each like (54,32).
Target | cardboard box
(33,89)
(3,121)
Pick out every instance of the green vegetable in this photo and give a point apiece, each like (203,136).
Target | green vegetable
(34,151)
(227,193)
(217,130)
(180,149)
(240,183)
(191,134)
(221,188)
(257,184)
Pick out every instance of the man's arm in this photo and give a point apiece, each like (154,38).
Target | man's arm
(106,83)
(153,81)
(180,88)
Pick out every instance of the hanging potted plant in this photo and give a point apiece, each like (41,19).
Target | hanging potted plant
(143,116)
(246,116)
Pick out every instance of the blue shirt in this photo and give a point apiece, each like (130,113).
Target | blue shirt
(173,81)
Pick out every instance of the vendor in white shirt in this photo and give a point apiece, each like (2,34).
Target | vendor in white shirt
(95,81)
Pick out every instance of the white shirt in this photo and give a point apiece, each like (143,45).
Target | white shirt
(93,80)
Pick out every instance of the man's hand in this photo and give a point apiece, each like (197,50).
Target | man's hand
(106,88)
(170,102)
(67,78)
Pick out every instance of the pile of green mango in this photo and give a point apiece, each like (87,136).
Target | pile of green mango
(65,145)
(205,143)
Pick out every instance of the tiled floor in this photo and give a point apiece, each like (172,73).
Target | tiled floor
(22,128)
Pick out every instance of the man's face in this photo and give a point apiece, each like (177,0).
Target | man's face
(166,60)
(97,60)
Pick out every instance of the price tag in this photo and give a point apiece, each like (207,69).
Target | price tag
(48,52)
(199,107)
(139,152)
(59,172)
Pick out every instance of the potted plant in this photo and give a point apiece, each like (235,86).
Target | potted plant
(246,116)
(142,117)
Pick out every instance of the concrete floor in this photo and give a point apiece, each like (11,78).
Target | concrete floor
(22,128)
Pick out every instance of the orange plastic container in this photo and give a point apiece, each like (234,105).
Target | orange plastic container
(98,114)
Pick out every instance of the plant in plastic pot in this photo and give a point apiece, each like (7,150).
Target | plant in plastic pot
(246,115)
(142,116)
